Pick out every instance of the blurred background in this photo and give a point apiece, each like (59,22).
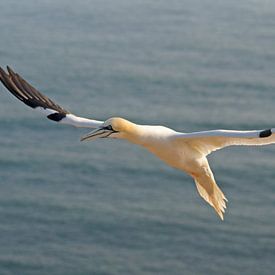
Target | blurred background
(108,207)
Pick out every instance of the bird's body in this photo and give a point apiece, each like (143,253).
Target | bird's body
(177,152)
(184,151)
(161,141)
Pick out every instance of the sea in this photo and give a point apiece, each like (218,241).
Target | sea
(111,208)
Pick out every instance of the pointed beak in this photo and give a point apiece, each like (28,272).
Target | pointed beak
(101,132)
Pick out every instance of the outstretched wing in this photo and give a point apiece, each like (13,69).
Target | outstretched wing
(21,89)
(208,141)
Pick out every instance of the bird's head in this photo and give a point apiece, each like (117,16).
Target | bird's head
(114,127)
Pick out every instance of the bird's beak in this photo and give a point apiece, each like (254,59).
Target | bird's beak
(101,132)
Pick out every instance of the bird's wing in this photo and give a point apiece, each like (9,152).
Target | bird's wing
(208,141)
(21,89)
(209,190)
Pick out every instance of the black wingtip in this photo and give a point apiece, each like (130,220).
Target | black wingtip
(2,72)
(10,71)
(56,116)
(265,133)
(21,89)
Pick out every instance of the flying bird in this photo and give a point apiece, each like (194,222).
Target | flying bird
(184,151)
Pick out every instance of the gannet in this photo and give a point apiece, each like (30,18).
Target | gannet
(184,151)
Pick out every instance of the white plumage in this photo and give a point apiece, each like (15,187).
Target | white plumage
(184,151)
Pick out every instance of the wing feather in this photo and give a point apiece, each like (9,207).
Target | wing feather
(209,141)
(30,96)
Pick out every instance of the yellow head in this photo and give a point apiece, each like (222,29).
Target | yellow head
(114,127)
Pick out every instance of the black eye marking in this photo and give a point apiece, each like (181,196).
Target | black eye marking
(109,127)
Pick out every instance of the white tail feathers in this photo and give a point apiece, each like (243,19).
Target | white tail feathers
(211,193)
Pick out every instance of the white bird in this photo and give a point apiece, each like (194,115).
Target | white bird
(184,151)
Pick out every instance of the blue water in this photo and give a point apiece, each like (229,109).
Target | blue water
(107,207)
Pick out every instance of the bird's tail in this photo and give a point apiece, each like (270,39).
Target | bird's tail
(210,192)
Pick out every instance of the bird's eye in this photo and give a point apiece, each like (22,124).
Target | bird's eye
(109,127)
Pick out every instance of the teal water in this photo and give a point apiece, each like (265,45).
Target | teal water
(107,207)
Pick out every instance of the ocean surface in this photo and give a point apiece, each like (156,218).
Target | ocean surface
(108,207)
